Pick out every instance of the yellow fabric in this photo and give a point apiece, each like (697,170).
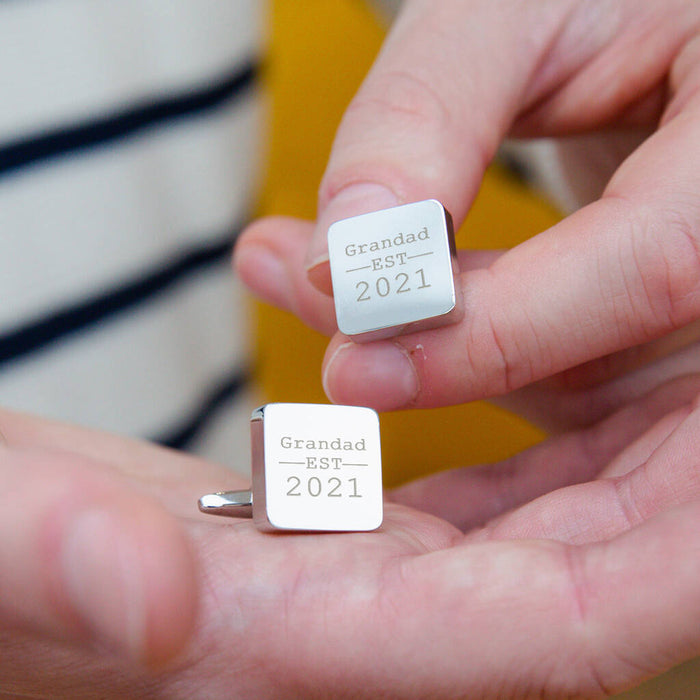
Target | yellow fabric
(319,52)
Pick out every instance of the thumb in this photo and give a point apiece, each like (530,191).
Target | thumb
(89,560)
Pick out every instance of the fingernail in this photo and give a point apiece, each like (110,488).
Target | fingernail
(320,276)
(102,575)
(264,273)
(379,375)
(350,201)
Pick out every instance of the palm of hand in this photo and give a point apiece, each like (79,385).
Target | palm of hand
(544,598)
(362,614)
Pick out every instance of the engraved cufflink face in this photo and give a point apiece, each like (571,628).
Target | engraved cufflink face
(316,467)
(394,271)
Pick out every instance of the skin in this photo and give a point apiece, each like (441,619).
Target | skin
(552,326)
(527,582)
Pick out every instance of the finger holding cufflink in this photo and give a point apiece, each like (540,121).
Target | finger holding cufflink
(315,467)
(393,271)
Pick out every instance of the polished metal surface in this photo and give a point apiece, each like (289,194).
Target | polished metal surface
(316,467)
(232,503)
(394,271)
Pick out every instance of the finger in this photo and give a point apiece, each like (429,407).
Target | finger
(432,111)
(614,612)
(86,559)
(174,478)
(619,592)
(470,496)
(268,258)
(590,392)
(453,78)
(626,496)
(581,396)
(618,273)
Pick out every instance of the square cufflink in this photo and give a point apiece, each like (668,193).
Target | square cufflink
(316,467)
(394,271)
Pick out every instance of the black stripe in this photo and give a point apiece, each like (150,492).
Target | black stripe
(129,121)
(47,330)
(191,428)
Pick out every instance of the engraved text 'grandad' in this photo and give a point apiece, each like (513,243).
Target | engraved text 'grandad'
(336,444)
(384,243)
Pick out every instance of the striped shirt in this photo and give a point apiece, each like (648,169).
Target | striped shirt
(129,138)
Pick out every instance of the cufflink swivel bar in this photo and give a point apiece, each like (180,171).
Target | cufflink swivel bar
(234,503)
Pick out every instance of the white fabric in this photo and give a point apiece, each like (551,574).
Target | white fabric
(76,226)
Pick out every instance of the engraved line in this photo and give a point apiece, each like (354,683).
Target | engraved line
(351,464)
(420,255)
(291,462)
(355,269)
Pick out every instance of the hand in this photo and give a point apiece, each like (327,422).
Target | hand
(544,600)
(452,80)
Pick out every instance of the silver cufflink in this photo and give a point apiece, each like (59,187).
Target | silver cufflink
(394,270)
(315,467)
